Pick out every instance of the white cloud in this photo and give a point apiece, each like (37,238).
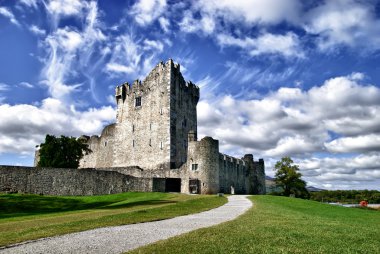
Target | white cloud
(363,143)
(114,67)
(36,30)
(153,45)
(344,22)
(26,84)
(8,14)
(250,12)
(287,45)
(65,7)
(126,55)
(29,3)
(164,23)
(64,45)
(190,24)
(292,122)
(342,173)
(147,11)
(4,87)
(132,55)
(24,126)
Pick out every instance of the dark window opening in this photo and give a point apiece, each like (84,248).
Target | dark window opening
(194,167)
(194,186)
(172,165)
(173,185)
(138,101)
(133,143)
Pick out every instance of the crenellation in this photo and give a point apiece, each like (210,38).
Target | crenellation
(155,136)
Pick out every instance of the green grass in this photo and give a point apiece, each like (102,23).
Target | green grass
(28,217)
(283,225)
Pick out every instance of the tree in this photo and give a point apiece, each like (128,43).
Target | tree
(289,179)
(63,152)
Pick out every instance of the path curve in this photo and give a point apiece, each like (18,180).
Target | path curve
(120,239)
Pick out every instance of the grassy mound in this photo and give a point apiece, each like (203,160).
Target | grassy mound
(283,225)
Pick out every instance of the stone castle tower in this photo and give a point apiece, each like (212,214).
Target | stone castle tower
(155,138)
(154,117)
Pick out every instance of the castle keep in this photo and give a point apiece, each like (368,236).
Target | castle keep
(155,137)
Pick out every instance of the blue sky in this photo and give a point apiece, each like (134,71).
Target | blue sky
(278,78)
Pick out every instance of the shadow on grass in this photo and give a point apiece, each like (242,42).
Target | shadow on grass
(15,205)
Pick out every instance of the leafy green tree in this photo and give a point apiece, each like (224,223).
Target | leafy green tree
(289,179)
(63,152)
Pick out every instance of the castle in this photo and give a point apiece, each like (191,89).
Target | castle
(155,137)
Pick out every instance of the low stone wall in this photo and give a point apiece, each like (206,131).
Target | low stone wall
(63,181)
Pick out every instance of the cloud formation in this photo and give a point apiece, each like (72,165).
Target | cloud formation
(297,123)
(8,14)
(25,126)
(351,23)
(147,11)
(64,45)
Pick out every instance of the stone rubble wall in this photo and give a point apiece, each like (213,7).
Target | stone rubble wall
(63,181)
(233,173)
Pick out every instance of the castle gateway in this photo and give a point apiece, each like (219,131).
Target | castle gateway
(155,136)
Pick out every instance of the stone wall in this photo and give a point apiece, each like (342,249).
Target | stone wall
(203,165)
(183,115)
(233,173)
(61,181)
(152,134)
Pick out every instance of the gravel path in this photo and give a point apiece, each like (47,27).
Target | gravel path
(123,238)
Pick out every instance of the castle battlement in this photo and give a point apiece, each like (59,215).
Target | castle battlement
(156,131)
(140,87)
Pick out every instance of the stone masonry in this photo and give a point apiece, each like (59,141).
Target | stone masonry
(153,146)
(156,131)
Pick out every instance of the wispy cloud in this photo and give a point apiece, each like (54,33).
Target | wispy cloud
(36,30)
(147,11)
(8,14)
(26,84)
(20,134)
(4,87)
(287,45)
(348,23)
(63,45)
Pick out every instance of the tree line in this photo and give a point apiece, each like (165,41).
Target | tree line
(346,196)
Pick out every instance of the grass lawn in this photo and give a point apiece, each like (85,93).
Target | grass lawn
(28,217)
(283,225)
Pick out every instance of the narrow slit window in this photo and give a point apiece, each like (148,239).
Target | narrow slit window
(194,167)
(161,145)
(133,143)
(150,142)
(138,101)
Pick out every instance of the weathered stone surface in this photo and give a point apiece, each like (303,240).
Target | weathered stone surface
(63,181)
(151,135)
(155,137)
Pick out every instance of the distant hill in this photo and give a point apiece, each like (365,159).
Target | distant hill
(271,182)
(314,189)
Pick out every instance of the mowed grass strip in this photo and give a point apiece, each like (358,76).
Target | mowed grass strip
(283,225)
(42,216)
